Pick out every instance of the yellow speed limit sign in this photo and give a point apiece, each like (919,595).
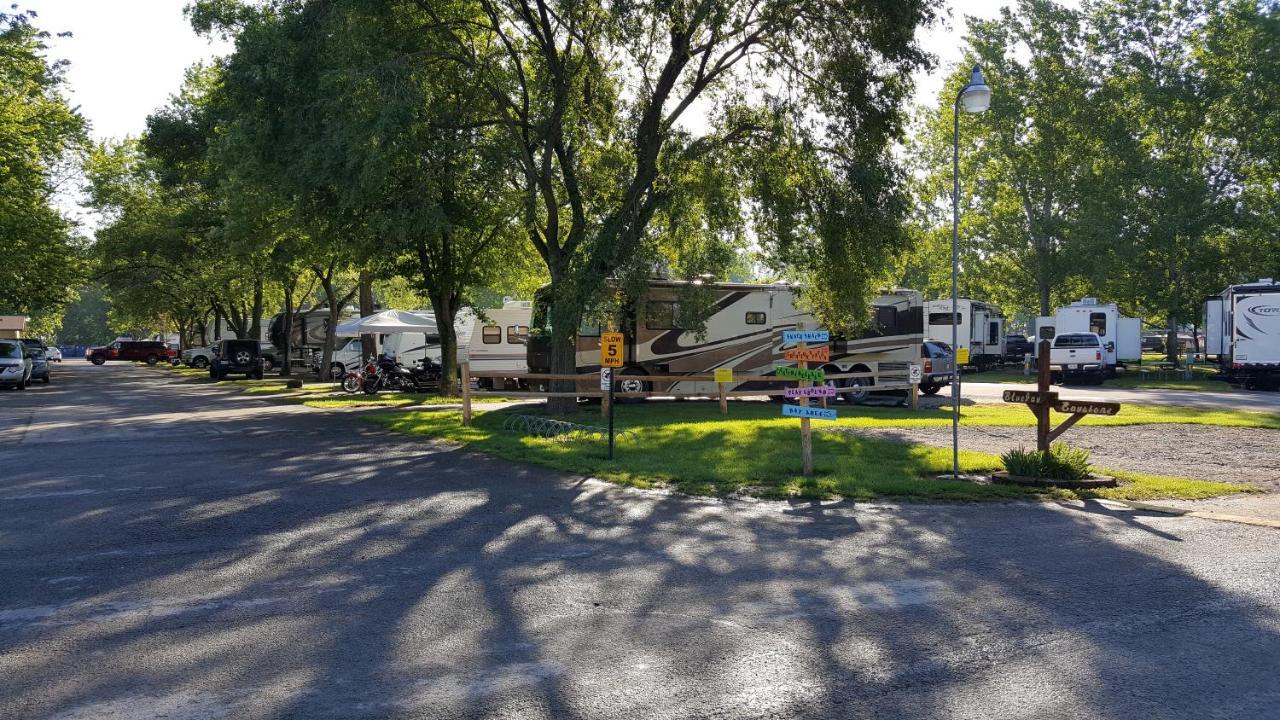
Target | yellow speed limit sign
(611,349)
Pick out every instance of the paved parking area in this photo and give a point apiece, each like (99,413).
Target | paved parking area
(184,551)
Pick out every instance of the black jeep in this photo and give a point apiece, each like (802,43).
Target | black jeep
(237,357)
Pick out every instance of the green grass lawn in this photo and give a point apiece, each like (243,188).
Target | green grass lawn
(692,449)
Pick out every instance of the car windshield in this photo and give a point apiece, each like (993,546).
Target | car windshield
(10,350)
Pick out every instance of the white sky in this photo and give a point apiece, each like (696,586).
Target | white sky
(128,56)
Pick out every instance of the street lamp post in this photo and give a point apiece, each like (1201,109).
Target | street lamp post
(975,97)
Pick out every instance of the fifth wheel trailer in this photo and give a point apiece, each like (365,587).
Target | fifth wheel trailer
(1242,330)
(980,329)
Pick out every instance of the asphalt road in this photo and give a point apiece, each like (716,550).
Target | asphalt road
(1256,401)
(179,551)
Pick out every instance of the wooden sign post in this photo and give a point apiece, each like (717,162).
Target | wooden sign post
(802,355)
(1042,400)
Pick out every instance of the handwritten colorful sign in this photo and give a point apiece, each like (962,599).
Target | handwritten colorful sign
(724,375)
(817,391)
(803,411)
(801,374)
(798,336)
(818,354)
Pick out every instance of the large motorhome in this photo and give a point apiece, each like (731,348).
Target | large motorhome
(743,333)
(1121,336)
(1242,331)
(497,340)
(980,329)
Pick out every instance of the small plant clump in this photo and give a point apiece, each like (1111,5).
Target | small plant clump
(1061,462)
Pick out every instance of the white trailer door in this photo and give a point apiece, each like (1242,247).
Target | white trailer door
(1213,326)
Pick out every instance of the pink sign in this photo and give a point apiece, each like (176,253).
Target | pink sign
(815,391)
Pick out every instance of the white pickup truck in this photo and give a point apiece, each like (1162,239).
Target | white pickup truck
(1078,356)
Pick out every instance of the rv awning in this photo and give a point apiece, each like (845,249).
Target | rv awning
(389,322)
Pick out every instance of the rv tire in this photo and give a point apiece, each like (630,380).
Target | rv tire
(858,388)
(629,382)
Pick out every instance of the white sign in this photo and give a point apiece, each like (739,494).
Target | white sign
(916,374)
(464,354)
(606,378)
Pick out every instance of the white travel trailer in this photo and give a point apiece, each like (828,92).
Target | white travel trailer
(743,333)
(980,329)
(1121,336)
(496,339)
(1242,330)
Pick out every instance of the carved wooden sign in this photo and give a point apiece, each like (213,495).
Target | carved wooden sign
(1030,397)
(1086,407)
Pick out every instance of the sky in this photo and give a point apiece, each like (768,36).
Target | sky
(128,56)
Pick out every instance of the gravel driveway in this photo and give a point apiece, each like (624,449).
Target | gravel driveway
(1204,452)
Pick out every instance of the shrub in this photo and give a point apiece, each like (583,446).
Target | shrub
(1062,462)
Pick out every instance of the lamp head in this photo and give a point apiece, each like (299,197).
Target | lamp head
(976,96)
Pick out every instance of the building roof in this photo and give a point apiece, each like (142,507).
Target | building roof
(13,322)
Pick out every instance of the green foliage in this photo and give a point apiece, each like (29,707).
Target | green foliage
(40,135)
(85,320)
(1061,462)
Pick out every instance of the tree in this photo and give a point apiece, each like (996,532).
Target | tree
(1027,164)
(592,99)
(39,136)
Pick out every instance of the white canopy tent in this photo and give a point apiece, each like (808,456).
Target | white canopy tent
(389,322)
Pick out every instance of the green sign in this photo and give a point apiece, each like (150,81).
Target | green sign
(801,374)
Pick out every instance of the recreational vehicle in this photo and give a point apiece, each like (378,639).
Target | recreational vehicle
(497,340)
(979,331)
(743,333)
(1242,330)
(1121,336)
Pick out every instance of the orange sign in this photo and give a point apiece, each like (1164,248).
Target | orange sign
(818,354)
(611,349)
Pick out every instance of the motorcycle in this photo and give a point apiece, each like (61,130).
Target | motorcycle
(387,374)
(353,381)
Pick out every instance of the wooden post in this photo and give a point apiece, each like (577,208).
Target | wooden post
(466,393)
(806,433)
(724,401)
(915,396)
(1042,409)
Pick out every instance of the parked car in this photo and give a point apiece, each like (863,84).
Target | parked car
(150,352)
(237,357)
(15,364)
(39,364)
(1153,343)
(55,353)
(939,366)
(1016,347)
(1078,355)
(202,357)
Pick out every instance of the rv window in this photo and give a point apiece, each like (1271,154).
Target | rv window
(756,318)
(1098,323)
(659,315)
(517,334)
(944,319)
(993,336)
(589,329)
(491,335)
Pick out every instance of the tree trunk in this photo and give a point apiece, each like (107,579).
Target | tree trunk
(367,340)
(286,326)
(445,307)
(330,331)
(255,320)
(565,318)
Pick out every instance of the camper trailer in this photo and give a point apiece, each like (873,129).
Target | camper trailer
(980,329)
(1242,331)
(743,333)
(1121,336)
(497,340)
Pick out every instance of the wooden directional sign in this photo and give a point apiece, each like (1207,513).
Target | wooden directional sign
(611,349)
(817,391)
(1086,407)
(804,411)
(817,354)
(798,336)
(724,375)
(801,374)
(1030,397)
